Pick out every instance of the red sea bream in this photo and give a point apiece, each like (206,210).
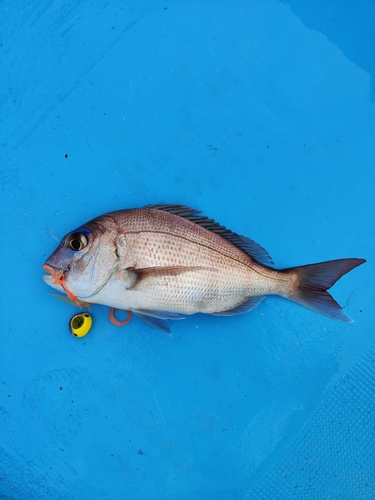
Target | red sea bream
(165,261)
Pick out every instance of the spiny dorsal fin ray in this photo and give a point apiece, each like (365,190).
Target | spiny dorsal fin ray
(258,253)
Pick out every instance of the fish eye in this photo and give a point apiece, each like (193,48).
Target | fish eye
(77,241)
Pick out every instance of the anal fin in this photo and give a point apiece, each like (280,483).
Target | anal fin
(158,319)
(243,308)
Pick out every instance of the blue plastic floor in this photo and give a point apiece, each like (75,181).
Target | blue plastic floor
(262,115)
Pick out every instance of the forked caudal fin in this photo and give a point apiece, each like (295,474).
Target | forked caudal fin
(314,280)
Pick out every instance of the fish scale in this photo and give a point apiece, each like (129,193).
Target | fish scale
(224,282)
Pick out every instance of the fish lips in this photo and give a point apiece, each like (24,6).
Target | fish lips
(57,263)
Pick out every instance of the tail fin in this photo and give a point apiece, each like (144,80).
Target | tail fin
(314,280)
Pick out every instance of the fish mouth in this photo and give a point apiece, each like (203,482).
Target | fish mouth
(51,277)
(51,273)
(57,280)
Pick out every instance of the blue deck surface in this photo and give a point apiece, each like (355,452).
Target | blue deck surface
(260,114)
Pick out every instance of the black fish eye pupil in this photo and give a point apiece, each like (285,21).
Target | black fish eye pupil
(75,244)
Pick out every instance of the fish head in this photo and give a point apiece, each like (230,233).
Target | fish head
(83,262)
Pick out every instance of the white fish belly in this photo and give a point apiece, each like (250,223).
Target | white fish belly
(205,291)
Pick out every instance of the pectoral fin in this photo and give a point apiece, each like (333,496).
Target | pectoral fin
(131,277)
(165,271)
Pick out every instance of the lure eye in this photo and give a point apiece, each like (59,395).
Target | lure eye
(80,324)
(77,241)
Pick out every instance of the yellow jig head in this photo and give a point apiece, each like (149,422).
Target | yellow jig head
(80,324)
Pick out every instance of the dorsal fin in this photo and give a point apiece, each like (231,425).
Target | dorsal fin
(258,253)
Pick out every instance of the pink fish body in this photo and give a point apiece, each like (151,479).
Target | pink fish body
(164,261)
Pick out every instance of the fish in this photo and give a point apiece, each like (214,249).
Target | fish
(165,262)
